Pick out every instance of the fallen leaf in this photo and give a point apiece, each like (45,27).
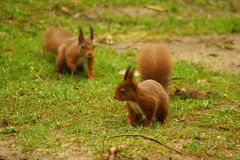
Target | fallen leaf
(213,55)
(107,39)
(65,9)
(155,8)
(112,153)
(202,81)
(227,46)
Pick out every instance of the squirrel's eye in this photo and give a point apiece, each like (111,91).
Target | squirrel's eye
(122,90)
(82,46)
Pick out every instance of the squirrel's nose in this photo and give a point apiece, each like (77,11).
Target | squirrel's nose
(114,97)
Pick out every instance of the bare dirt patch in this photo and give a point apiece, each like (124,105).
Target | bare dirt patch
(8,151)
(75,151)
(71,152)
(219,53)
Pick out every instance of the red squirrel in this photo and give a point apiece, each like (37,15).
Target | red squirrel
(70,51)
(149,97)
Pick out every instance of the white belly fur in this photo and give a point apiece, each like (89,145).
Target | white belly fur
(135,107)
(83,62)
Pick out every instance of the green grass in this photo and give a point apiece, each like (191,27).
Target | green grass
(180,18)
(37,106)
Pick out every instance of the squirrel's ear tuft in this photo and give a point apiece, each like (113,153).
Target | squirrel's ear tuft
(131,74)
(91,32)
(127,72)
(80,36)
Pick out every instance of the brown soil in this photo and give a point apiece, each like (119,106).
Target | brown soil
(76,151)
(71,152)
(190,93)
(221,53)
(8,151)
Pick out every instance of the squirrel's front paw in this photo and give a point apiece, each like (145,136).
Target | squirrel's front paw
(90,78)
(147,125)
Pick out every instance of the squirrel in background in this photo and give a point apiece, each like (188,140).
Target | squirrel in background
(149,97)
(70,50)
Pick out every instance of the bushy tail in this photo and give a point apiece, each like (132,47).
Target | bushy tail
(154,62)
(54,37)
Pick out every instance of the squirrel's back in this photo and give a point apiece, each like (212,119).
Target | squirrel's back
(153,86)
(154,62)
(54,37)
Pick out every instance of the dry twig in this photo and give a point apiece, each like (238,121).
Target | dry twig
(144,137)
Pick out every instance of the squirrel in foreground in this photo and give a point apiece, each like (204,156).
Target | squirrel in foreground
(149,97)
(70,50)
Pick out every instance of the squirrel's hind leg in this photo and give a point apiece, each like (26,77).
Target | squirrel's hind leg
(149,116)
(162,113)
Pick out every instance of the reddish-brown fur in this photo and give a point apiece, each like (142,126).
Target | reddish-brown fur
(70,50)
(54,37)
(155,62)
(149,95)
